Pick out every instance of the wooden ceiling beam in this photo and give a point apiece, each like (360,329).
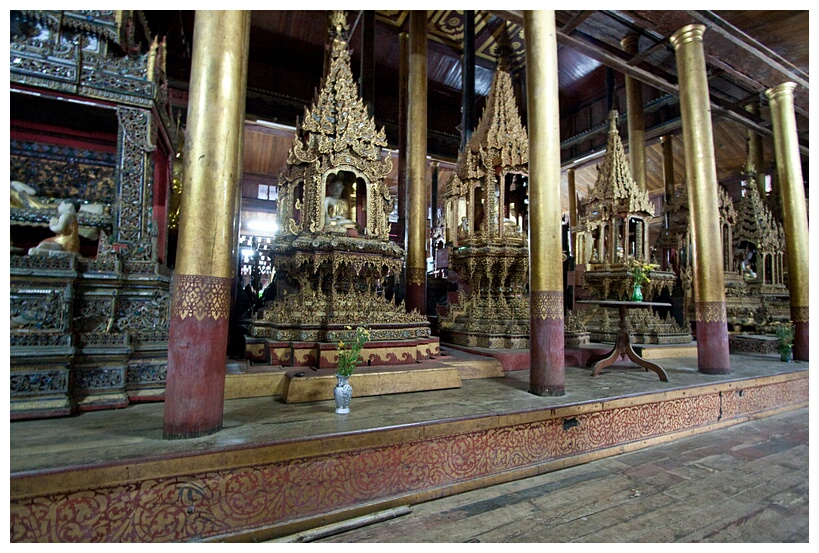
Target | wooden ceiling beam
(614,61)
(575,21)
(751,46)
(662,44)
(610,60)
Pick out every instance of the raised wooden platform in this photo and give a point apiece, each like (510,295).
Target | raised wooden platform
(752,343)
(665,351)
(302,386)
(518,359)
(277,468)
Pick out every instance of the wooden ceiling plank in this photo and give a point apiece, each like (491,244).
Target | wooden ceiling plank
(617,63)
(663,44)
(575,21)
(748,44)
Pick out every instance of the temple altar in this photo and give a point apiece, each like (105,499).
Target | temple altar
(486,229)
(333,258)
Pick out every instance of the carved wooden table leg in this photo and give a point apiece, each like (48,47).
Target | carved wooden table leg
(649,366)
(622,346)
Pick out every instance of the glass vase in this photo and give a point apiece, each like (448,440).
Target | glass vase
(637,293)
(786,353)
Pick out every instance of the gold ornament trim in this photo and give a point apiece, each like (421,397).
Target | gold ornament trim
(710,312)
(547,305)
(201,297)
(416,276)
(800,314)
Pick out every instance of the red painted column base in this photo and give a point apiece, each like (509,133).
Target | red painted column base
(712,348)
(195,390)
(416,298)
(547,374)
(801,343)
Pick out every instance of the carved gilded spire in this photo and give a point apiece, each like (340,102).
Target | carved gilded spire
(337,134)
(614,183)
(338,24)
(338,123)
(500,137)
(756,224)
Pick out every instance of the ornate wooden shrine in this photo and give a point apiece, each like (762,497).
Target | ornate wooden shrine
(612,236)
(754,259)
(90,122)
(486,229)
(333,257)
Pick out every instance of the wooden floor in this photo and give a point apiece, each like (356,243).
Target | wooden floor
(746,483)
(134,433)
(276,469)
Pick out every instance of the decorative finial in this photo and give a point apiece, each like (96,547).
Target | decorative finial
(338,24)
(503,48)
(614,120)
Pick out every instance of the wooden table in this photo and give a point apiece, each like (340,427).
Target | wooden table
(622,346)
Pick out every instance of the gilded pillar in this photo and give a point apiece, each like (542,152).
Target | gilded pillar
(794,211)
(403,130)
(756,152)
(202,283)
(546,374)
(416,264)
(570,176)
(636,118)
(667,143)
(703,203)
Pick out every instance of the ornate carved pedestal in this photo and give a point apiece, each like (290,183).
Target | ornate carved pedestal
(89,331)
(333,257)
(486,227)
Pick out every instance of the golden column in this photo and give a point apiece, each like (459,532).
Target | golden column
(794,211)
(570,176)
(703,203)
(572,190)
(667,143)
(202,283)
(546,374)
(636,118)
(756,152)
(403,133)
(416,264)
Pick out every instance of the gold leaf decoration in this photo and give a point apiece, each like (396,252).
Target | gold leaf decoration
(201,297)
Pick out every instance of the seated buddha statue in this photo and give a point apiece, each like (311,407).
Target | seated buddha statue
(336,210)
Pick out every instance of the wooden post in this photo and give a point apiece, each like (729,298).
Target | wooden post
(703,202)
(202,283)
(416,264)
(794,211)
(547,373)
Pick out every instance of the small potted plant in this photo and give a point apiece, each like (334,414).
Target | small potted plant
(785,332)
(348,354)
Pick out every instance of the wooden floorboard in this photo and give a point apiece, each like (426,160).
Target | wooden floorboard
(745,483)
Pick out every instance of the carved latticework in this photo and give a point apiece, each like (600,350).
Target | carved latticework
(753,255)
(333,257)
(486,226)
(115,307)
(613,228)
(613,237)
